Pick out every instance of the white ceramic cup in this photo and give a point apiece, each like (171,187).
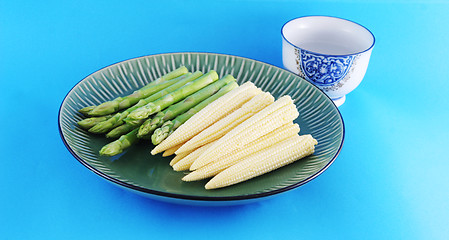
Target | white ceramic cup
(330,52)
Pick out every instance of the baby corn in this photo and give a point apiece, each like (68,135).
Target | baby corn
(171,151)
(264,161)
(178,157)
(213,168)
(184,163)
(275,115)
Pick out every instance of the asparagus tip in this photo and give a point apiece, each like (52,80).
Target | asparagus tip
(99,128)
(111,149)
(105,108)
(138,114)
(160,134)
(113,134)
(85,123)
(85,111)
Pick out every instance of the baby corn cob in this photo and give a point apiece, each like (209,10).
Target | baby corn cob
(227,123)
(264,161)
(184,163)
(171,151)
(209,115)
(275,115)
(269,139)
(178,157)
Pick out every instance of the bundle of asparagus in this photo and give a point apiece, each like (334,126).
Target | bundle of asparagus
(159,107)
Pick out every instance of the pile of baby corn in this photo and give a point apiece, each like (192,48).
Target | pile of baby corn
(243,134)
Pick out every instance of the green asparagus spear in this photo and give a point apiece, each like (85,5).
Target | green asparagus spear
(118,118)
(125,102)
(90,122)
(168,76)
(114,121)
(138,95)
(169,126)
(147,127)
(124,128)
(179,108)
(85,111)
(119,145)
(173,97)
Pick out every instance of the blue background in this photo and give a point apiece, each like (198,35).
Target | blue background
(389,182)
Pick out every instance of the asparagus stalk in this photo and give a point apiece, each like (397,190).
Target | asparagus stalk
(124,128)
(173,97)
(118,118)
(119,145)
(147,127)
(92,121)
(127,101)
(169,126)
(179,108)
(86,110)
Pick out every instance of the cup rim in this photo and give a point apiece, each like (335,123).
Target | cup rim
(336,55)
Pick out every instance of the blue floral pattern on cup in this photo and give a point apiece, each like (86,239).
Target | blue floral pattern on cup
(324,70)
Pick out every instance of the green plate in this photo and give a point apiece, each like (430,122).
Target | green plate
(137,170)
